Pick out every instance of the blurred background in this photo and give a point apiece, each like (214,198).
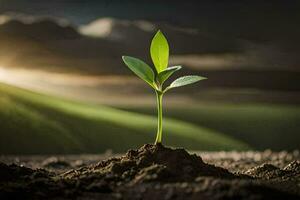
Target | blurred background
(64,88)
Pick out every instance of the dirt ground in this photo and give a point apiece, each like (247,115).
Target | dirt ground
(153,172)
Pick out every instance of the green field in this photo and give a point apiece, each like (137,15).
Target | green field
(33,123)
(262,126)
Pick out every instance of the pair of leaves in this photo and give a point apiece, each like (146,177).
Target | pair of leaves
(159,51)
(142,70)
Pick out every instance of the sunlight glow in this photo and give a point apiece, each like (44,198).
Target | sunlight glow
(34,77)
(14,76)
(96,88)
(4,75)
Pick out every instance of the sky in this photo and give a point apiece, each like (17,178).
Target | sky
(265,34)
(255,20)
(82,10)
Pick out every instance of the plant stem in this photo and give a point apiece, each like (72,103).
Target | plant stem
(159,96)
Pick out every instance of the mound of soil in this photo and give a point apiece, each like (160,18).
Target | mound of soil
(152,163)
(150,172)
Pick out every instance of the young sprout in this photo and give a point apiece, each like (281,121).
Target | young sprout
(159,51)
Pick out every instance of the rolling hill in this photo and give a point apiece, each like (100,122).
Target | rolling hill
(33,123)
(261,125)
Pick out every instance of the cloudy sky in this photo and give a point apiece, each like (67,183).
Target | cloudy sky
(253,20)
(218,35)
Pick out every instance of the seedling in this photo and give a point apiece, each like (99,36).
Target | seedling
(159,51)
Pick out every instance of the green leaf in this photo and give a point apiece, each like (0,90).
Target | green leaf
(159,51)
(164,75)
(185,80)
(140,68)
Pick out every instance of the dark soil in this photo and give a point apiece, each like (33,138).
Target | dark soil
(154,172)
